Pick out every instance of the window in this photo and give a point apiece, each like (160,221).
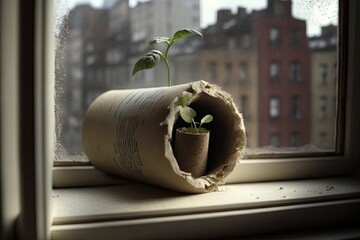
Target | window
(249,65)
(274,37)
(274,107)
(350,126)
(274,71)
(295,74)
(323,107)
(323,73)
(295,108)
(295,38)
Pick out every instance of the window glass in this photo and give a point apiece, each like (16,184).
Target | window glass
(274,36)
(295,107)
(323,73)
(274,109)
(274,71)
(248,42)
(295,74)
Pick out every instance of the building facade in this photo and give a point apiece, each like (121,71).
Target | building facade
(324,87)
(284,76)
(228,58)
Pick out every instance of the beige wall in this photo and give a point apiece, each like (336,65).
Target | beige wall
(234,86)
(323,124)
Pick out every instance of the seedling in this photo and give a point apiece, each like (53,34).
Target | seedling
(188,115)
(153,57)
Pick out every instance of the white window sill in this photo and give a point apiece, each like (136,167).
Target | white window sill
(141,211)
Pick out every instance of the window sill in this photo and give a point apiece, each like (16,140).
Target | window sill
(142,211)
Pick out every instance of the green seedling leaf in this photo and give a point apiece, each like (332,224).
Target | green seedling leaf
(187,114)
(184,99)
(153,57)
(208,118)
(157,40)
(148,61)
(185,32)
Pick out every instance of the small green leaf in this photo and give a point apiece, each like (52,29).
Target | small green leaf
(184,100)
(187,114)
(157,40)
(208,118)
(185,32)
(146,62)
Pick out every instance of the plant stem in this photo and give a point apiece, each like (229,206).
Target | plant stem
(168,68)
(193,121)
(168,73)
(167,49)
(167,63)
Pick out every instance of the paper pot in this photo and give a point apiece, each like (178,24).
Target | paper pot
(191,151)
(131,133)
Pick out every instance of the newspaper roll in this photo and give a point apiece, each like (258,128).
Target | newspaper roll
(130,133)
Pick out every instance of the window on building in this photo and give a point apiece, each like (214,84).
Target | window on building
(295,38)
(294,72)
(274,108)
(274,71)
(274,37)
(296,107)
(323,73)
(323,111)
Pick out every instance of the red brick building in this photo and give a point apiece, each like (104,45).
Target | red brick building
(283,76)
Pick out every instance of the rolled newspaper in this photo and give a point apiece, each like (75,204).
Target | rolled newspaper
(130,133)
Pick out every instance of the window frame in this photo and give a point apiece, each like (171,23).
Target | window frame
(305,160)
(35,170)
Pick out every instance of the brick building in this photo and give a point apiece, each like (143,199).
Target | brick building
(269,49)
(284,76)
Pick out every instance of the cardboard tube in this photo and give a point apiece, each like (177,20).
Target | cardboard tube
(131,133)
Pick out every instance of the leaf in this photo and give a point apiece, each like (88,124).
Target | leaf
(185,32)
(157,40)
(187,114)
(184,100)
(208,118)
(148,61)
